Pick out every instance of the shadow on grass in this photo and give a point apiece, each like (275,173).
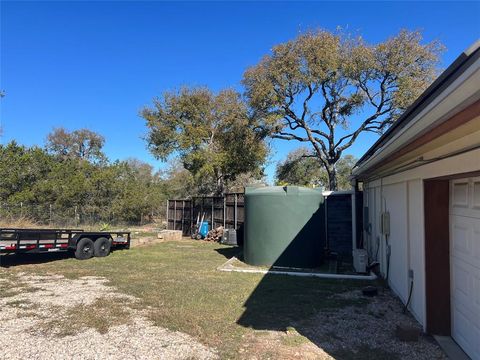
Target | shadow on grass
(10,260)
(282,302)
(230,252)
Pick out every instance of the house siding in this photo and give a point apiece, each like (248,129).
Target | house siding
(402,195)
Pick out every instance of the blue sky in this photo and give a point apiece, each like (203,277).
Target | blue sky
(96,64)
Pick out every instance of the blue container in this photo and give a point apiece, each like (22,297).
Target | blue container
(204,229)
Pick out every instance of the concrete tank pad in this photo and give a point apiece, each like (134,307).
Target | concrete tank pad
(235,265)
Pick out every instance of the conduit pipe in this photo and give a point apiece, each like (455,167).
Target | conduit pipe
(223,267)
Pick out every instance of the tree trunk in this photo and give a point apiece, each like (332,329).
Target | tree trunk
(332,177)
(220,186)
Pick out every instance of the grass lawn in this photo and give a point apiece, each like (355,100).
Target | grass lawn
(177,285)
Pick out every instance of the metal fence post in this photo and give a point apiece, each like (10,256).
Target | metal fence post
(224,210)
(168,205)
(354,221)
(327,242)
(213,206)
(183,215)
(235,210)
(175,215)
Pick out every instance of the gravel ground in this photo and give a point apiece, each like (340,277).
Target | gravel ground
(27,302)
(372,327)
(30,305)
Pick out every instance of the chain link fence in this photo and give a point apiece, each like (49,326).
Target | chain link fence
(75,216)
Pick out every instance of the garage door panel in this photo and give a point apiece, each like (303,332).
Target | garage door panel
(460,237)
(466,335)
(462,282)
(476,242)
(465,198)
(466,286)
(467,212)
(465,264)
(465,239)
(477,292)
(465,306)
(461,325)
(460,194)
(476,195)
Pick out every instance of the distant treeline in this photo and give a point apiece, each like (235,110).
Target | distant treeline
(35,182)
(70,181)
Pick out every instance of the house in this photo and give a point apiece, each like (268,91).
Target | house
(421,183)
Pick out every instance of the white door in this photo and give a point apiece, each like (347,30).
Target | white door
(465,264)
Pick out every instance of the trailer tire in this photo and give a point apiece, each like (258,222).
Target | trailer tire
(84,249)
(101,247)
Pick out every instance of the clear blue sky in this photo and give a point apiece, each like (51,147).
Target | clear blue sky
(96,64)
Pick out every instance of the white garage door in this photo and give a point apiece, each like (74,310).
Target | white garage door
(465,264)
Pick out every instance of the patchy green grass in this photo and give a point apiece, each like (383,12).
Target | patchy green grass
(178,284)
(10,289)
(293,338)
(101,315)
(328,267)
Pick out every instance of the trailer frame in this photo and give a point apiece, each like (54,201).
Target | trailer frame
(34,241)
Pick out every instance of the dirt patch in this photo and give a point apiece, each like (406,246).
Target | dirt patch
(350,332)
(52,317)
(368,332)
(280,345)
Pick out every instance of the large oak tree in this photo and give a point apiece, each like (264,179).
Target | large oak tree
(326,88)
(299,168)
(81,144)
(211,133)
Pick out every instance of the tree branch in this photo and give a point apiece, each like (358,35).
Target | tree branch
(353,136)
(288,136)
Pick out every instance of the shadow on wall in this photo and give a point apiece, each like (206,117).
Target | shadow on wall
(306,250)
(284,228)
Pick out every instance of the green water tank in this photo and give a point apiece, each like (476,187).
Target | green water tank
(284,226)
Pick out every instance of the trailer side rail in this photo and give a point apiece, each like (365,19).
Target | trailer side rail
(14,240)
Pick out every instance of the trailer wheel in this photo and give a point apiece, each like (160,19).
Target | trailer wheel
(101,247)
(84,249)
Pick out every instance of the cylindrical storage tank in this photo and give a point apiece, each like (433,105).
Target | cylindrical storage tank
(284,226)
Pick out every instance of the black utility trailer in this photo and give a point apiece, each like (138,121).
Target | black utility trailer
(84,244)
